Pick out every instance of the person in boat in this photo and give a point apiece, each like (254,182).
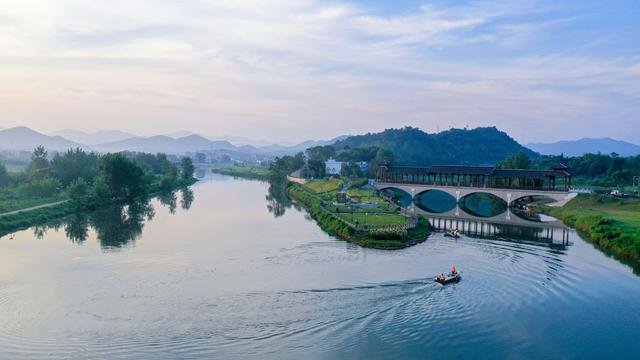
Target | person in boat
(453,270)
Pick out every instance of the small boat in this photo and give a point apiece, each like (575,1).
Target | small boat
(452,233)
(448,278)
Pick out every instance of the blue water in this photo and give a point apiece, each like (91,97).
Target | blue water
(233,274)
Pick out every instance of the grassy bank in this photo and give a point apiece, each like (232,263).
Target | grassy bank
(613,225)
(11,200)
(372,229)
(27,219)
(247,172)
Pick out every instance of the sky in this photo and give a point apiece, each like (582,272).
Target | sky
(286,70)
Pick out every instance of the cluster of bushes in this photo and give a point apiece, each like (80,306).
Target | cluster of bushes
(391,232)
(88,180)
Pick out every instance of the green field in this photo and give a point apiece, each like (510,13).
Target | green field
(249,172)
(10,200)
(611,224)
(323,186)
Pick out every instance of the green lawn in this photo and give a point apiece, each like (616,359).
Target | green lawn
(251,172)
(323,186)
(10,201)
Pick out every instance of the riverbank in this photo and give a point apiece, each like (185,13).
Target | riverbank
(371,228)
(21,219)
(246,172)
(612,225)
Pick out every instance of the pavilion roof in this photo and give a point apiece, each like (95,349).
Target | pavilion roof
(480,170)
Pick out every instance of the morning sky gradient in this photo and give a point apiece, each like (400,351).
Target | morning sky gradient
(284,70)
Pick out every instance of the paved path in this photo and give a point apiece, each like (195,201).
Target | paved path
(34,208)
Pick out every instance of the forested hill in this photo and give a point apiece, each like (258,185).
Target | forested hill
(412,146)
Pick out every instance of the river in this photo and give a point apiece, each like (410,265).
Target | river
(226,271)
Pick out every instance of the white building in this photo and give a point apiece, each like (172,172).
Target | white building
(333,167)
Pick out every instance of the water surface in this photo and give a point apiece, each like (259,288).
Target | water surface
(231,271)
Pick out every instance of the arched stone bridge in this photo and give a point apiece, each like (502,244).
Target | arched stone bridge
(460,181)
(459,192)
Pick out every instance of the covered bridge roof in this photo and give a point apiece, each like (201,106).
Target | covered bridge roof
(480,170)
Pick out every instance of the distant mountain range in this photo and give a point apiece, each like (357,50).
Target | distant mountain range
(235,140)
(412,146)
(23,138)
(161,143)
(95,138)
(587,145)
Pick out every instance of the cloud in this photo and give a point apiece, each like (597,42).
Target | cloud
(301,68)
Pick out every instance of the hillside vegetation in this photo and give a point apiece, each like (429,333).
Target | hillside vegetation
(412,146)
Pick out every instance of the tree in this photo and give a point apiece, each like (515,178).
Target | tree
(283,166)
(316,168)
(201,158)
(186,164)
(78,192)
(321,153)
(100,194)
(124,178)
(74,164)
(170,178)
(351,170)
(383,157)
(158,163)
(519,160)
(46,187)
(4,176)
(39,167)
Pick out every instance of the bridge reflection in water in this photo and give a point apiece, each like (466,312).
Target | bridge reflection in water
(506,226)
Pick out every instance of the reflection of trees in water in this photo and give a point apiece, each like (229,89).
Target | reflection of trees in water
(170,200)
(77,227)
(435,201)
(116,226)
(483,205)
(39,231)
(277,199)
(187,198)
(398,196)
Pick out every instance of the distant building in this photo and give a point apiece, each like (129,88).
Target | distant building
(333,167)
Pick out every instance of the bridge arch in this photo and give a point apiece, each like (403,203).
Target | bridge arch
(496,195)
(397,189)
(435,201)
(543,196)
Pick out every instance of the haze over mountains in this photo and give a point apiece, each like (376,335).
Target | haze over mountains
(25,139)
(410,145)
(95,138)
(586,145)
